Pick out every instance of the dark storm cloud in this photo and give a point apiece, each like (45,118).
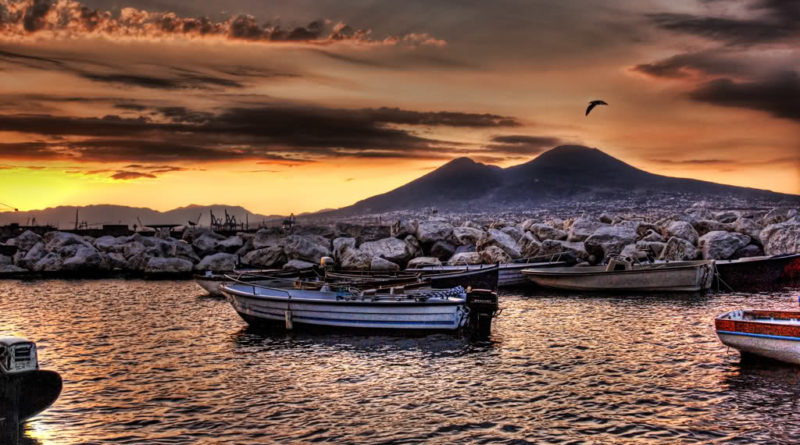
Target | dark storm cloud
(522,144)
(778,95)
(708,62)
(279,132)
(171,78)
(178,82)
(778,20)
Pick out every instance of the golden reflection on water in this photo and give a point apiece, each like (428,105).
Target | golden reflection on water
(158,361)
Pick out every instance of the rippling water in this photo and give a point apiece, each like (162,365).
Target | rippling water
(159,361)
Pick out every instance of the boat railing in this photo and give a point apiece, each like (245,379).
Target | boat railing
(255,285)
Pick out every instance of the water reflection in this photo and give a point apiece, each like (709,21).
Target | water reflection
(157,361)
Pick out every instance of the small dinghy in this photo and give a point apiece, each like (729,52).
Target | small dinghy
(771,334)
(25,390)
(680,276)
(756,273)
(414,310)
(210,281)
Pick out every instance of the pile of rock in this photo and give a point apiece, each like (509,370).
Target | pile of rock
(693,234)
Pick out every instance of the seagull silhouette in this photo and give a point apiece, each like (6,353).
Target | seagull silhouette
(593,104)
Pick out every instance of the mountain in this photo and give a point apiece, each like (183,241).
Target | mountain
(95,215)
(568,173)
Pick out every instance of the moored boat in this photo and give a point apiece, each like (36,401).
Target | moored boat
(680,276)
(25,390)
(756,273)
(415,310)
(509,274)
(771,334)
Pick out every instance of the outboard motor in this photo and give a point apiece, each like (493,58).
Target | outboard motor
(25,390)
(483,306)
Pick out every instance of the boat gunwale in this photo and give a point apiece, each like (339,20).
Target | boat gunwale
(339,302)
(576,271)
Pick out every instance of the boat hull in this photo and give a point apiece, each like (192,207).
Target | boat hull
(675,278)
(508,275)
(776,336)
(27,394)
(346,314)
(761,273)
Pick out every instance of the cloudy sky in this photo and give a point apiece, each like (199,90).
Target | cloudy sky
(292,106)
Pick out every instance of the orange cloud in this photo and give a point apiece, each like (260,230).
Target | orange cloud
(70,19)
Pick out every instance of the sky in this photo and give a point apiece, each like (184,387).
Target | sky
(302,105)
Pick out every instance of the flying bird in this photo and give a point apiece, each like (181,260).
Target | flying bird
(593,104)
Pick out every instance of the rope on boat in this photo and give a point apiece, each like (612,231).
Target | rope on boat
(719,279)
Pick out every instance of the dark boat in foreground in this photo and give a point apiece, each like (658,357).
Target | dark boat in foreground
(758,273)
(25,390)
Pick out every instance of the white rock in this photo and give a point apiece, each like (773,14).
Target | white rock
(583,228)
(468,235)
(678,249)
(465,258)
(272,256)
(297,265)
(503,241)
(305,247)
(25,240)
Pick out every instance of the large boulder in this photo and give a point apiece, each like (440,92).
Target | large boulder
(341,244)
(468,235)
(167,266)
(9,269)
(403,228)
(109,243)
(779,215)
(392,249)
(653,236)
(465,258)
(781,238)
(25,240)
(351,258)
(85,259)
(442,250)
(231,244)
(608,241)
(583,228)
(748,251)
(683,230)
(513,232)
(503,241)
(428,232)
(133,248)
(363,233)
(207,243)
(306,247)
(116,261)
(217,262)
(704,226)
(546,231)
(184,250)
(529,246)
(31,257)
(48,263)
(272,256)
(423,261)
(721,245)
(267,237)
(494,254)
(383,265)
(727,216)
(55,241)
(678,249)
(652,248)
(749,227)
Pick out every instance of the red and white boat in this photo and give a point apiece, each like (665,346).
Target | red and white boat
(771,334)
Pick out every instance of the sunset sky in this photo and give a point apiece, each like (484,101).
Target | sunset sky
(294,106)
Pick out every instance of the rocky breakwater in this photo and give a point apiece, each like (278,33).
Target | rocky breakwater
(694,233)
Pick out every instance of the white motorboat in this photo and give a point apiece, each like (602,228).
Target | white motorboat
(406,310)
(771,334)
